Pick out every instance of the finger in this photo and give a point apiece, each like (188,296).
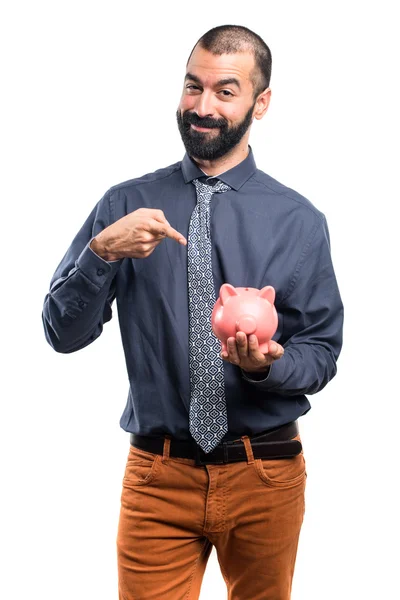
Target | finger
(168,231)
(233,356)
(275,350)
(176,235)
(254,349)
(224,353)
(241,343)
(157,216)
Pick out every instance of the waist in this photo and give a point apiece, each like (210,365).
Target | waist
(225,451)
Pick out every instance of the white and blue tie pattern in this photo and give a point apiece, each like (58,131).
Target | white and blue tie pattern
(208,420)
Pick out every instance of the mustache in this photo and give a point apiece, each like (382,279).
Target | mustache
(190,118)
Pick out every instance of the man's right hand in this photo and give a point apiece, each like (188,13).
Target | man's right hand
(135,235)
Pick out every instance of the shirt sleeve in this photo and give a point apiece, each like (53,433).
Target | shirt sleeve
(312,329)
(261,376)
(82,288)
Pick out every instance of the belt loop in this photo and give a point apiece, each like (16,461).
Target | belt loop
(225,447)
(166,448)
(249,450)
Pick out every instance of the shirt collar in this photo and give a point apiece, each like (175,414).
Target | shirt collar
(234,177)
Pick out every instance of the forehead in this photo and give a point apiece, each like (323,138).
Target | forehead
(209,67)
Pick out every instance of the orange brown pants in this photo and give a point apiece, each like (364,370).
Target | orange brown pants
(173,512)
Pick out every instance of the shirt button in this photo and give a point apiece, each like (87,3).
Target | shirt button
(81,303)
(100,271)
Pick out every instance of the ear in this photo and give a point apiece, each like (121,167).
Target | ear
(267,292)
(226,291)
(262,104)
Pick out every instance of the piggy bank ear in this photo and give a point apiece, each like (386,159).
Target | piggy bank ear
(226,291)
(268,292)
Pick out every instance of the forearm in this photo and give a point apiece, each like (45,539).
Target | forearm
(311,314)
(78,304)
(303,369)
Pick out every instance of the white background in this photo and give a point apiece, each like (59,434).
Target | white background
(90,99)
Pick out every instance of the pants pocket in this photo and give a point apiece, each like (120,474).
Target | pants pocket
(141,467)
(282,472)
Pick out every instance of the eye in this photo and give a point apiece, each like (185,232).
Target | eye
(226,93)
(192,87)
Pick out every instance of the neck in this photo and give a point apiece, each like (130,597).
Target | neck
(226,162)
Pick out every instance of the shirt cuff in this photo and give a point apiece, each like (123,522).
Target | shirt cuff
(96,269)
(256,377)
(277,373)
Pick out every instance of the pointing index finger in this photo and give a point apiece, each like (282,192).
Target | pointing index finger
(175,235)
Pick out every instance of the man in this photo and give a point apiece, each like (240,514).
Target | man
(215,457)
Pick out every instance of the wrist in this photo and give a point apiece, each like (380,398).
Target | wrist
(258,375)
(100,247)
(260,370)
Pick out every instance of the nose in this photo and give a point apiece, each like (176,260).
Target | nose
(204,106)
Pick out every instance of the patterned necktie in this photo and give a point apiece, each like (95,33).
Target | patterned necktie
(208,420)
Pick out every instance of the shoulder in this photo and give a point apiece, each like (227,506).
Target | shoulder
(291,197)
(149,178)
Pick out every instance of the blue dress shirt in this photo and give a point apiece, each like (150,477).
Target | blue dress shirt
(263,233)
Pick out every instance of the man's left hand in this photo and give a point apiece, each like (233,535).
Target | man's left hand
(244,352)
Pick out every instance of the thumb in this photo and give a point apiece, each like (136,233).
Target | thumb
(275,350)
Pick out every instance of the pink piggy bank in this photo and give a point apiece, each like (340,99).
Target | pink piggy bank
(245,309)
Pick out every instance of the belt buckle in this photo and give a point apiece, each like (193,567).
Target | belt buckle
(199,453)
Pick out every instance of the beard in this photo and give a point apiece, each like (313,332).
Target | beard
(200,144)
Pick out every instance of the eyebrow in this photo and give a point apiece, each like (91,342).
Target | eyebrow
(226,81)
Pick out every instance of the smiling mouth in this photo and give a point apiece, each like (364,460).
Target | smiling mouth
(203,128)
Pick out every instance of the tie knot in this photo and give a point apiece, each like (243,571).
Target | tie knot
(204,188)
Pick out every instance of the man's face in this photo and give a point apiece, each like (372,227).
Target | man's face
(217,104)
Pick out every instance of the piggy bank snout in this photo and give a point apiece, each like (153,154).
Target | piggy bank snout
(246,323)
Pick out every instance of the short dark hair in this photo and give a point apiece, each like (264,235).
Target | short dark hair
(230,39)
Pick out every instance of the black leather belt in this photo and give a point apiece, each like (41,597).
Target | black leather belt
(275,443)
